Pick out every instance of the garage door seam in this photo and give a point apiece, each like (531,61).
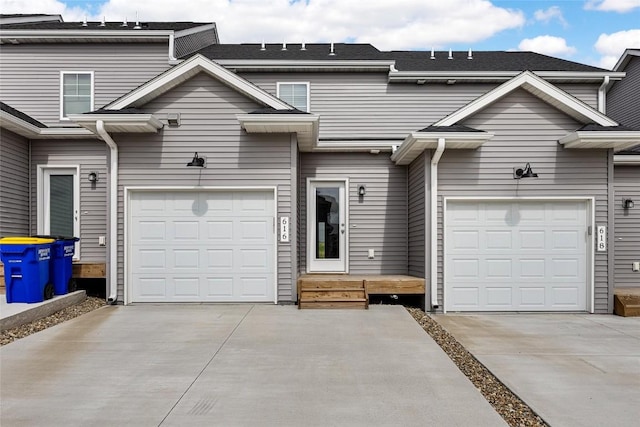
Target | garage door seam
(206,365)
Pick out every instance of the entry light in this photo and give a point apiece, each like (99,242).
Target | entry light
(362,190)
(519,173)
(92,177)
(197,161)
(627,203)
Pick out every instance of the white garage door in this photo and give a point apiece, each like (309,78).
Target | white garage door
(188,246)
(516,256)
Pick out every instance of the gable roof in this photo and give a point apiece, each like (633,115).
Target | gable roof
(537,87)
(626,57)
(184,71)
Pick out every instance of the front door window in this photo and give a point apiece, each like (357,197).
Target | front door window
(327,227)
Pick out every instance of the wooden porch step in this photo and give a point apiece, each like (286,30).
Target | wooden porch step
(346,304)
(332,292)
(626,302)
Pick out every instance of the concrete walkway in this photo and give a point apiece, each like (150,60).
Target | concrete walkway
(572,369)
(236,365)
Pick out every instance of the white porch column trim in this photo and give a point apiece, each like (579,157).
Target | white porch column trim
(434,221)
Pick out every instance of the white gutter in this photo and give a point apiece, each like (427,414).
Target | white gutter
(434,221)
(113,212)
(602,95)
(626,159)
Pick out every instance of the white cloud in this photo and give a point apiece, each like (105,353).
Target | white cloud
(612,46)
(546,16)
(399,24)
(620,6)
(547,45)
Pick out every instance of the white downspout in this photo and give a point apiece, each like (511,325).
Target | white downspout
(113,212)
(434,221)
(602,95)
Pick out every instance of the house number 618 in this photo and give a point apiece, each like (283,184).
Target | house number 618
(601,236)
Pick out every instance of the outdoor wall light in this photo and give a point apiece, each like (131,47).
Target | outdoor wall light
(519,173)
(173,119)
(627,203)
(362,190)
(92,177)
(197,161)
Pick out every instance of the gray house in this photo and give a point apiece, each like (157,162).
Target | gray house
(228,172)
(623,105)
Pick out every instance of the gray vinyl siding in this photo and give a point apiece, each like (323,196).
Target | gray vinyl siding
(189,44)
(365,105)
(90,156)
(587,93)
(417,216)
(209,126)
(31,73)
(14,184)
(378,221)
(527,130)
(627,226)
(622,100)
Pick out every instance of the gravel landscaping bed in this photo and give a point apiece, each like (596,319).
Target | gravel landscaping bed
(90,304)
(510,407)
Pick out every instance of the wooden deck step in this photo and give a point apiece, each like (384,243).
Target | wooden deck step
(332,292)
(626,302)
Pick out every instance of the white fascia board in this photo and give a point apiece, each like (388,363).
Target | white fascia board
(535,85)
(306,126)
(139,123)
(625,58)
(197,63)
(410,76)
(65,133)
(626,159)
(382,146)
(417,142)
(261,64)
(19,126)
(86,34)
(601,139)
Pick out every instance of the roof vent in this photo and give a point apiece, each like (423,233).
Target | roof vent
(450,54)
(84,22)
(137,27)
(284,46)
(470,54)
(124,23)
(332,52)
(262,46)
(304,46)
(104,22)
(433,54)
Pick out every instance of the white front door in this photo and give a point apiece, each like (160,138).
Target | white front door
(514,255)
(59,206)
(327,227)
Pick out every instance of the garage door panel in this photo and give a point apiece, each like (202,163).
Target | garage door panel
(535,259)
(202,246)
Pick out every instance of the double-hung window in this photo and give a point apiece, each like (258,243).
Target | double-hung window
(76,92)
(295,94)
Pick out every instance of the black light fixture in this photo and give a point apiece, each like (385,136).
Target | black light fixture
(197,161)
(362,190)
(92,177)
(524,173)
(627,203)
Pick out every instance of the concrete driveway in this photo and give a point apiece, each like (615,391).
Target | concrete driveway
(572,369)
(236,365)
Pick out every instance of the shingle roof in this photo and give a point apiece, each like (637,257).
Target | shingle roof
(404,60)
(94,26)
(631,151)
(269,110)
(20,115)
(313,51)
(128,110)
(452,128)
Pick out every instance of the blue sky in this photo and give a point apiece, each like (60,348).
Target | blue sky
(595,32)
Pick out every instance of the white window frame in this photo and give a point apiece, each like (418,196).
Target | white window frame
(44,171)
(64,73)
(307,84)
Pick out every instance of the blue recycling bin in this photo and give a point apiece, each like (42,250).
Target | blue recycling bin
(61,265)
(26,268)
